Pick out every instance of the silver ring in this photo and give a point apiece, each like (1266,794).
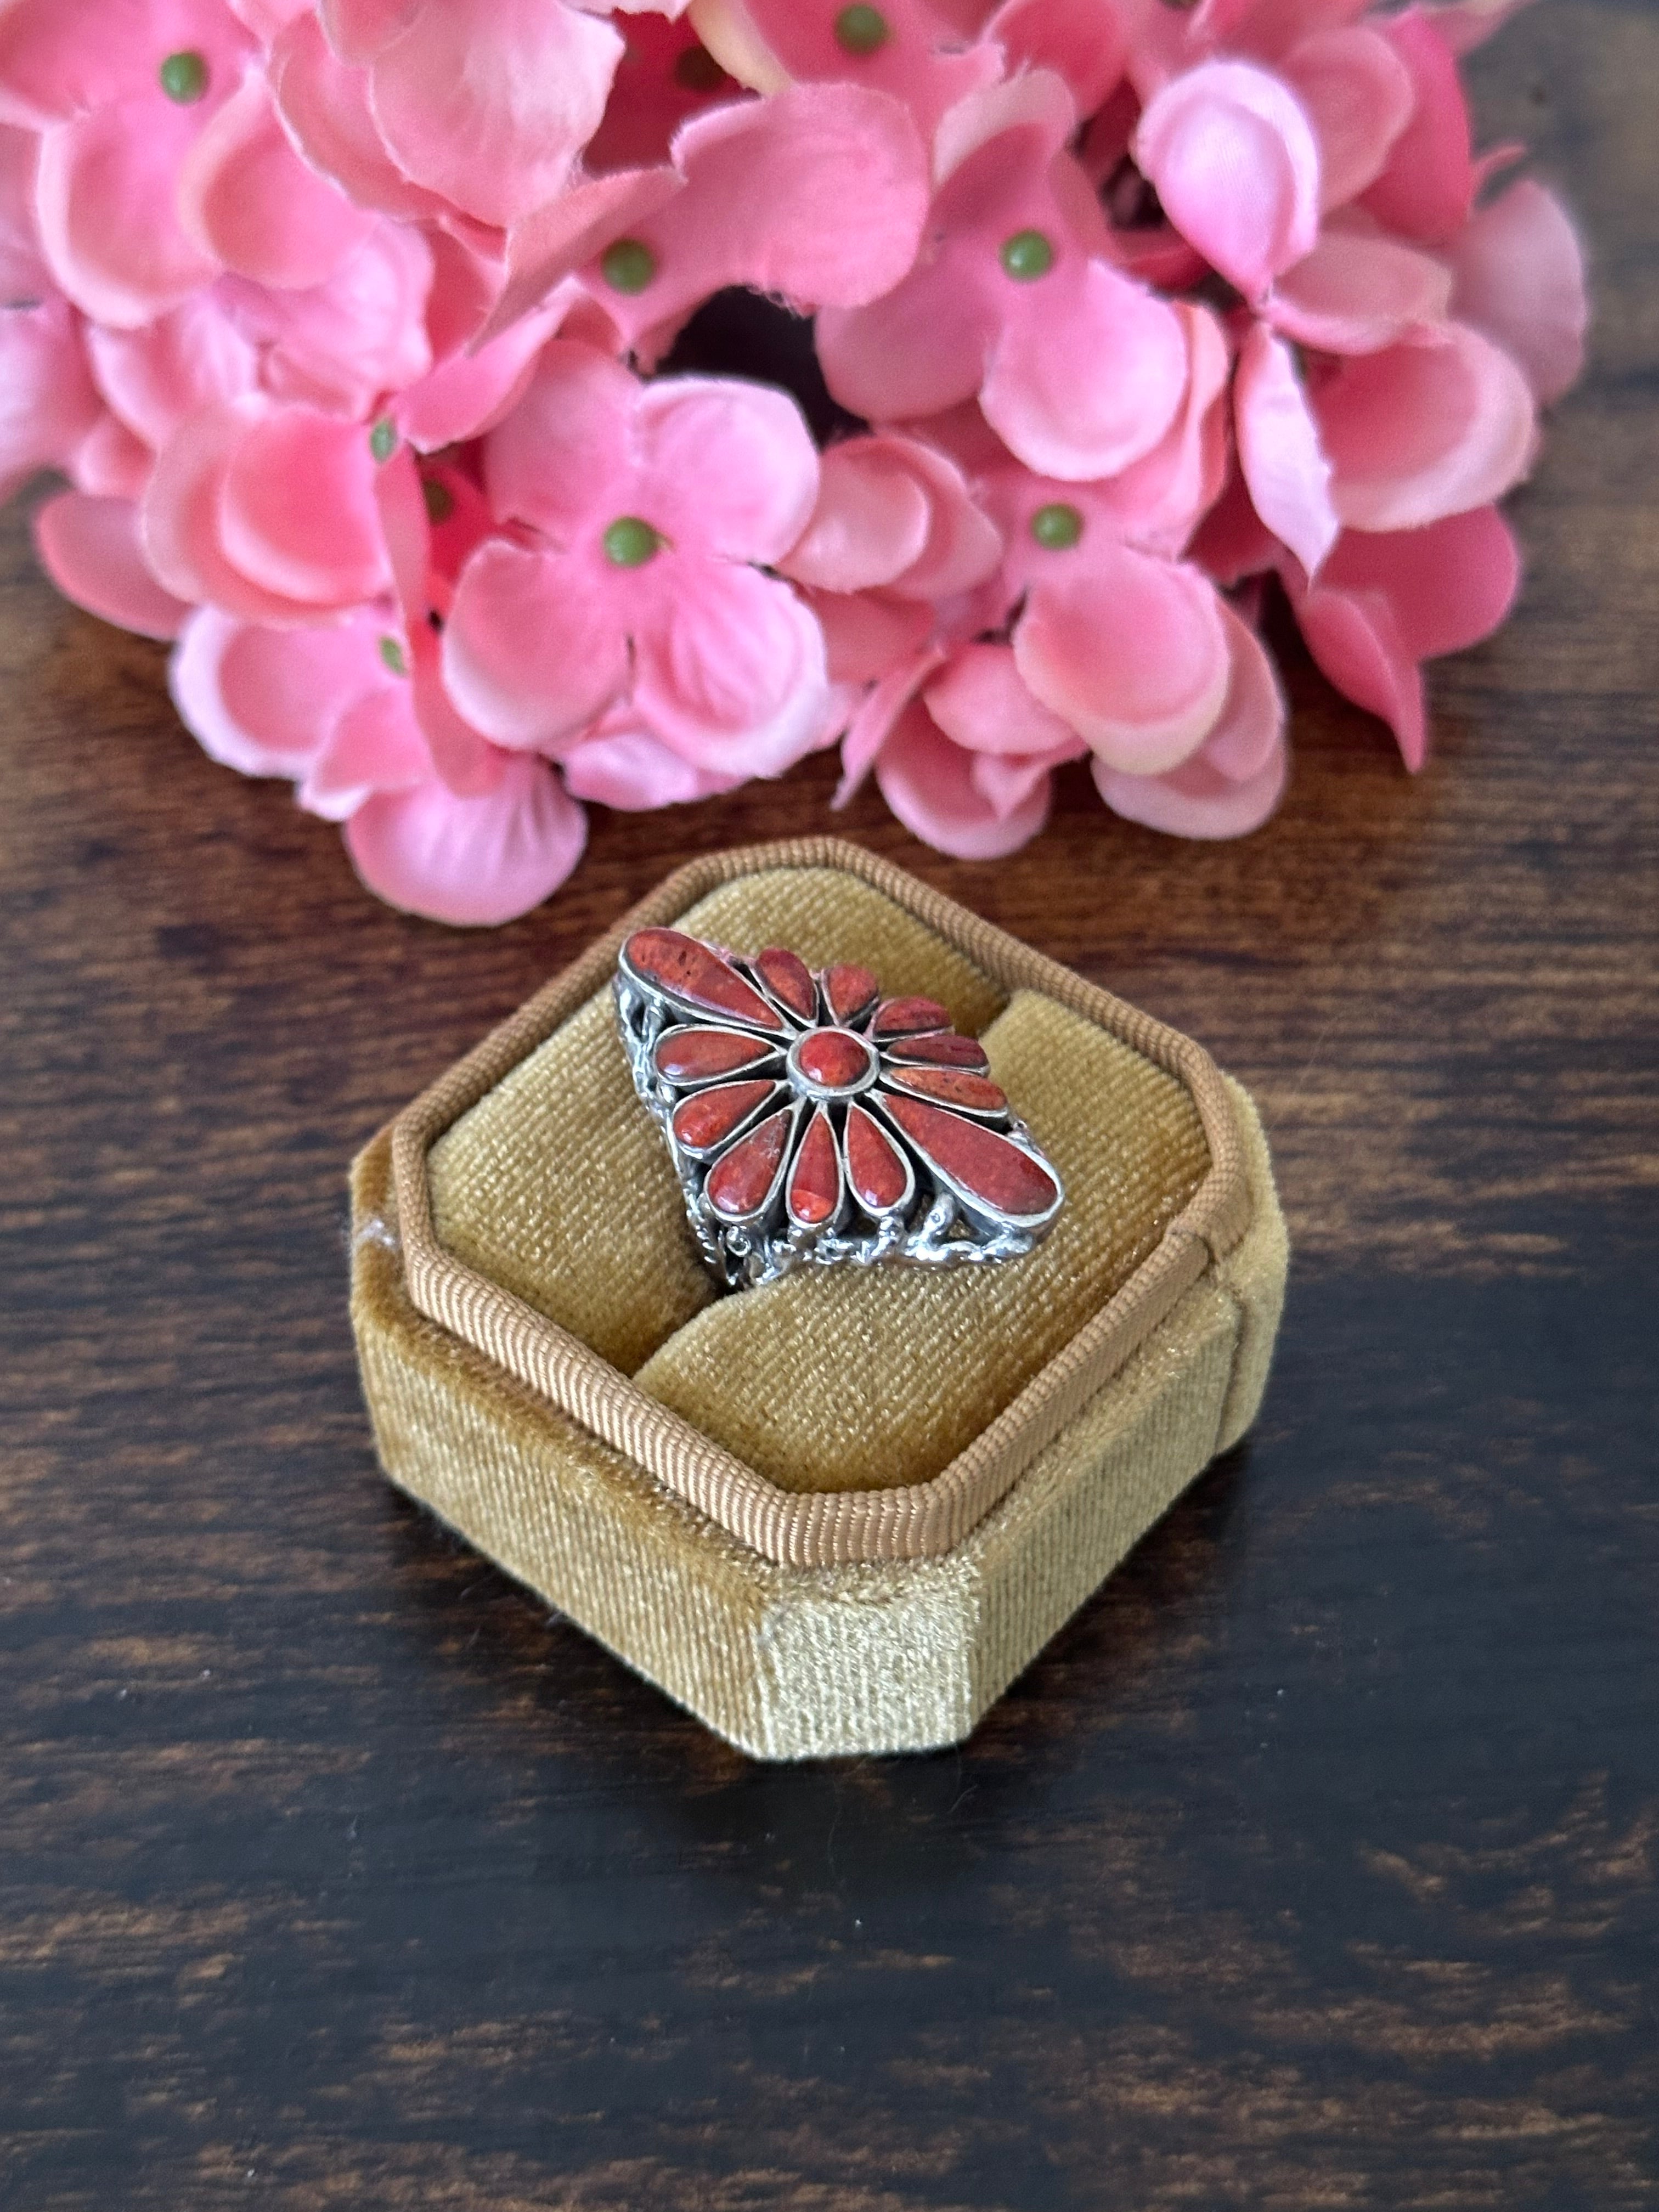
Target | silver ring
(810,1118)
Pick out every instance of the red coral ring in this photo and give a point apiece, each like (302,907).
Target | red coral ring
(810,1118)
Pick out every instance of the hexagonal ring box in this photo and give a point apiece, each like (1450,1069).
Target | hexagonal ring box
(838,1512)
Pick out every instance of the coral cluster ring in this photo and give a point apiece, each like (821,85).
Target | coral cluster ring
(811,1118)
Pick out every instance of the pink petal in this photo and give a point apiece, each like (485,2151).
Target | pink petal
(47,404)
(109,225)
(532,650)
(1356,293)
(1425,431)
(1249,730)
(1359,96)
(465,760)
(154,377)
(964,546)
(723,466)
(981,703)
(1519,275)
(552,242)
(917,352)
(264,701)
(180,519)
(1232,541)
(1279,451)
(109,463)
(632,771)
(731,673)
(842,175)
(1088,374)
(247,200)
(1466,24)
(472,861)
(1425,190)
(1196,799)
(341,345)
(1085,42)
(297,511)
(358,29)
(1355,641)
(490,101)
(376,745)
(1131,652)
(928,783)
(866,633)
(870,521)
(770,42)
(1448,586)
(1009,782)
(872,723)
(567,441)
(1156,503)
(324,103)
(23,272)
(63,58)
(1035,103)
(1236,164)
(89,548)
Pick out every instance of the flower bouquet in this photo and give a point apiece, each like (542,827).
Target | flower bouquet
(511,403)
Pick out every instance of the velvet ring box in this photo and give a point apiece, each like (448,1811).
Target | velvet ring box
(840,1513)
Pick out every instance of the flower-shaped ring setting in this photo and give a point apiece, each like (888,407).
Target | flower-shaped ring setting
(809,1117)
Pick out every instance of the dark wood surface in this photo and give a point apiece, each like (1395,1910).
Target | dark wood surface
(1313,1865)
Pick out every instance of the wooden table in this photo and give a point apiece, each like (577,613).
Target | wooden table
(1314,1864)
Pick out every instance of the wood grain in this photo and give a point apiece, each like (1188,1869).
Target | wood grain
(1314,1864)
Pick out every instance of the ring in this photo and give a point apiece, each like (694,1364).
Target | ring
(810,1118)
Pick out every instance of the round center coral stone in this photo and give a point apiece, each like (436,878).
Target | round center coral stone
(831,1064)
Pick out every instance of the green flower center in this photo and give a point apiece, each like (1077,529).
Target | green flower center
(439,500)
(629,542)
(628,265)
(392,653)
(861,30)
(383,439)
(1028,254)
(1057,526)
(184,77)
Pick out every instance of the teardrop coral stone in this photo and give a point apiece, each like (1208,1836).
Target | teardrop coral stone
(947,1051)
(709,1117)
(982,1164)
(851,992)
(815,1179)
(834,1059)
(879,1174)
(740,1184)
(679,965)
(789,980)
(698,1055)
(951,1086)
(905,1017)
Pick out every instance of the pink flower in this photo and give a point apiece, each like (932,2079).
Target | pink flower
(481,106)
(121,94)
(1386,602)
(47,404)
(1014,300)
(639,516)
(912,49)
(839,170)
(267,512)
(437,820)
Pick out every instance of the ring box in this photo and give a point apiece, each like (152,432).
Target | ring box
(840,1513)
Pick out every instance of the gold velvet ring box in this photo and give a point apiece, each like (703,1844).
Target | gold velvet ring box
(840,1512)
